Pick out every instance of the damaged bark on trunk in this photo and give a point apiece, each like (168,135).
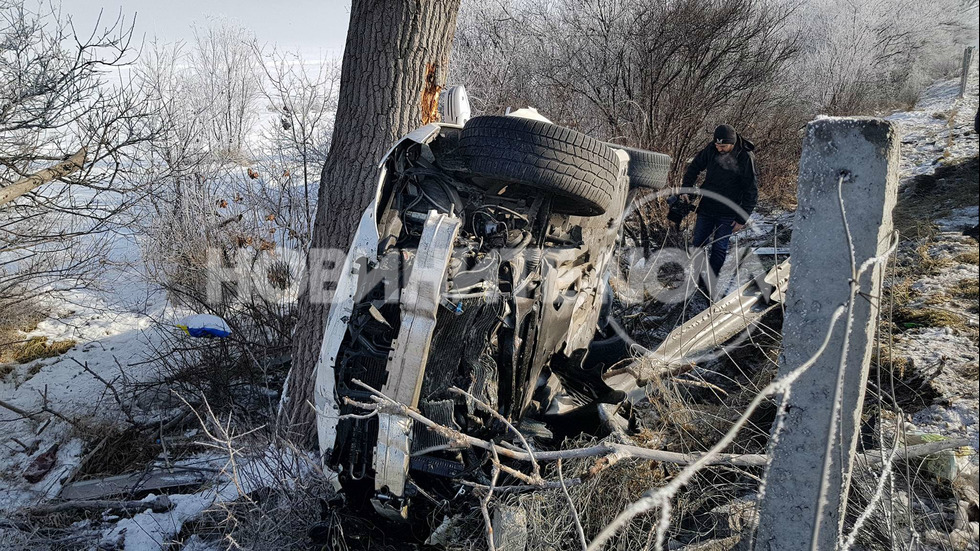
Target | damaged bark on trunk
(395,49)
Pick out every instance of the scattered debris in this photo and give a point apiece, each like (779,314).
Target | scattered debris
(42,465)
(157,504)
(205,325)
(135,483)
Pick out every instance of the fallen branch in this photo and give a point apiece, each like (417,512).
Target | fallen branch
(457,439)
(159,504)
(36,416)
(124,407)
(485,502)
(874,457)
(521,488)
(536,475)
(384,404)
(571,506)
(18,411)
(28,184)
(222,439)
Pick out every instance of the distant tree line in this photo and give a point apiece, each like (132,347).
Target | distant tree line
(661,74)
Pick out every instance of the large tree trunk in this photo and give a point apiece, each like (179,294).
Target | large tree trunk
(395,59)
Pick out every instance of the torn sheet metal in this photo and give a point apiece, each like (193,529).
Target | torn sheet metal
(703,333)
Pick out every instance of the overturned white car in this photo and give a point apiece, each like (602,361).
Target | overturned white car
(481,264)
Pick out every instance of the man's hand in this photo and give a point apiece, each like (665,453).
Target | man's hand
(736,226)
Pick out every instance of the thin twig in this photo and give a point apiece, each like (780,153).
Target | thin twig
(485,502)
(111,388)
(458,439)
(571,505)
(534,464)
(18,411)
(521,488)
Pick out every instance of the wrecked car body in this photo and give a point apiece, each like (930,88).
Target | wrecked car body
(481,264)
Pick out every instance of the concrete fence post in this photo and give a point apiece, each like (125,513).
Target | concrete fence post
(865,152)
(965,75)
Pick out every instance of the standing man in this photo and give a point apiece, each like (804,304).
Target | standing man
(731,183)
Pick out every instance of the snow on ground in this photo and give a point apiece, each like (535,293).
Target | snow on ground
(149,530)
(939,128)
(115,327)
(940,131)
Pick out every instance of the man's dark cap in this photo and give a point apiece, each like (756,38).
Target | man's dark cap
(726,134)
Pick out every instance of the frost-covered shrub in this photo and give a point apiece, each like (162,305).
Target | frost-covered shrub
(856,57)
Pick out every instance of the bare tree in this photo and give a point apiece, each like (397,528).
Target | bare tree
(655,75)
(396,50)
(865,55)
(56,100)
(303,95)
(204,206)
(228,75)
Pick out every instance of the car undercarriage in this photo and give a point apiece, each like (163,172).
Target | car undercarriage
(476,284)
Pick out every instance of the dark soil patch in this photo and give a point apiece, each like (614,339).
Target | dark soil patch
(934,196)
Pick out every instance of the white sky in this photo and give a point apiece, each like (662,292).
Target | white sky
(316,28)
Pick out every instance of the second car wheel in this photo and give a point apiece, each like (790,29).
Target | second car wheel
(580,171)
(647,169)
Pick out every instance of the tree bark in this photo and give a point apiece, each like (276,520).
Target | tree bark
(397,54)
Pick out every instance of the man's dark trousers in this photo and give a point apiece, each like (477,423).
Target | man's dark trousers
(713,230)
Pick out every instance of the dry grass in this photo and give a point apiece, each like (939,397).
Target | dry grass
(915,264)
(33,370)
(886,359)
(971,371)
(679,417)
(123,451)
(37,348)
(972,257)
(900,292)
(966,288)
(598,500)
(929,264)
(15,320)
(908,318)
(936,299)
(283,496)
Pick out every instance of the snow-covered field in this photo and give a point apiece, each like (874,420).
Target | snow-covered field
(117,327)
(113,327)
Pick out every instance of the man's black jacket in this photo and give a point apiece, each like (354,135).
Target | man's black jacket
(733,177)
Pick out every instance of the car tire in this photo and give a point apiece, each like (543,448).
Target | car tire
(579,170)
(647,169)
